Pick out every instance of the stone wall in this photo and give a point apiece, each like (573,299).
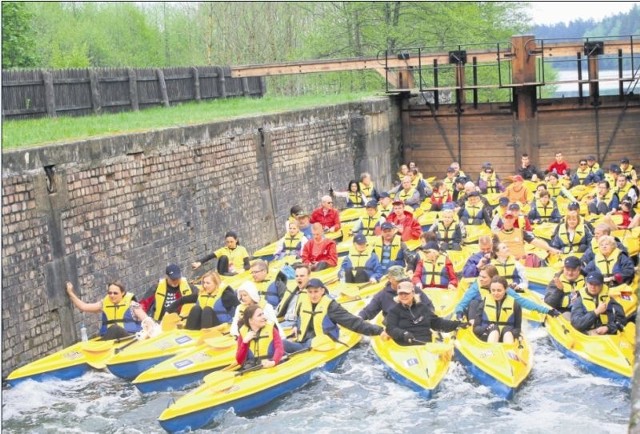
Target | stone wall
(125,206)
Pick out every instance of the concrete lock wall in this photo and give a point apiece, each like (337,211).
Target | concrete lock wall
(125,206)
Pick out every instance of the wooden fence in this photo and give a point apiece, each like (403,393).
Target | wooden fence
(77,92)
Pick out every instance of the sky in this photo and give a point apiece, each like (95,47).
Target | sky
(555,12)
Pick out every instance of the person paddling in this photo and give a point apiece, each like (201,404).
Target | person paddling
(259,340)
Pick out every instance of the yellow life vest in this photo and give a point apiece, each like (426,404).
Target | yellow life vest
(369,225)
(568,288)
(356,199)
(386,211)
(500,317)
(449,183)
(396,244)
(432,271)
(286,299)
(545,211)
(260,345)
(554,190)
(594,168)
(236,257)
(590,302)
(367,191)
(514,240)
(446,234)
(628,173)
(570,246)
(291,243)
(161,293)
(114,313)
(209,300)
(491,180)
(404,195)
(359,259)
(622,193)
(582,174)
(506,269)
(605,265)
(322,324)
(473,211)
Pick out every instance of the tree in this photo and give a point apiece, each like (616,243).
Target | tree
(18,41)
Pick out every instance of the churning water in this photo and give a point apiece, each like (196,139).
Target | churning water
(558,397)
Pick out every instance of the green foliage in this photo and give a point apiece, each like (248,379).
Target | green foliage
(30,132)
(18,40)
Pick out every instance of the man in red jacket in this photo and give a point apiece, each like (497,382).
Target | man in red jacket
(407,226)
(319,252)
(328,217)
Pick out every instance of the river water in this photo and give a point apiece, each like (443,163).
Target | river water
(358,398)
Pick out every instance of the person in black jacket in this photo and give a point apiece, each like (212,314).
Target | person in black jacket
(410,321)
(594,312)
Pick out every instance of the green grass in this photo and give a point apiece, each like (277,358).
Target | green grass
(34,132)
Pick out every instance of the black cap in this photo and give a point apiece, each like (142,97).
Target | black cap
(316,283)
(572,262)
(372,204)
(625,160)
(595,278)
(360,239)
(173,271)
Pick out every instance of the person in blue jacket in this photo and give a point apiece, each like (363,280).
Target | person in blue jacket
(480,288)
(361,264)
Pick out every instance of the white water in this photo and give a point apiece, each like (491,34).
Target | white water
(357,398)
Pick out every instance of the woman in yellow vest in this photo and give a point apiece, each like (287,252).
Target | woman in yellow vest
(615,265)
(292,243)
(355,197)
(259,341)
(573,235)
(213,305)
(508,266)
(117,319)
(498,317)
(232,258)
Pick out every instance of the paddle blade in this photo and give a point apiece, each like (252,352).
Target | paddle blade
(219,343)
(220,380)
(322,343)
(170,321)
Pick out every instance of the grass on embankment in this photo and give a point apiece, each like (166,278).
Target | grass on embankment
(34,132)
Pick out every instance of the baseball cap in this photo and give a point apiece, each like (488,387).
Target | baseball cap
(625,160)
(383,195)
(316,283)
(405,288)
(591,158)
(514,207)
(397,272)
(595,278)
(372,204)
(387,225)
(473,194)
(302,213)
(504,201)
(397,202)
(572,262)
(360,239)
(173,271)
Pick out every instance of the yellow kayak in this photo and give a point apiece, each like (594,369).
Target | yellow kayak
(476,231)
(70,362)
(444,300)
(419,367)
(352,214)
(427,218)
(130,363)
(502,367)
(609,356)
(254,389)
(188,367)
(544,230)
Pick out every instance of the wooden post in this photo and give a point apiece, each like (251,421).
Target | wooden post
(524,71)
(460,83)
(222,89)
(133,89)
(163,87)
(49,94)
(95,91)
(594,86)
(245,87)
(405,79)
(196,83)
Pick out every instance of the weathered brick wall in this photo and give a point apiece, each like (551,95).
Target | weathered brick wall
(123,207)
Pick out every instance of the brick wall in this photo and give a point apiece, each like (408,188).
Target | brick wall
(123,207)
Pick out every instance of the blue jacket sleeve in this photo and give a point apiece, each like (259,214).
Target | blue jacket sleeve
(374,268)
(472,293)
(526,303)
(346,264)
(581,319)
(373,308)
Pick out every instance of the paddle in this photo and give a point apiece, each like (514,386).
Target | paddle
(170,321)
(97,352)
(225,378)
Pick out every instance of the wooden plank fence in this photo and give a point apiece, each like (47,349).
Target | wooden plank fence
(77,92)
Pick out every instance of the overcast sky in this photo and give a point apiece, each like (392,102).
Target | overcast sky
(555,12)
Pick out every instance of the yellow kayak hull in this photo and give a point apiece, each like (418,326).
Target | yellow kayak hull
(419,367)
(609,356)
(499,366)
(70,362)
(444,300)
(253,389)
